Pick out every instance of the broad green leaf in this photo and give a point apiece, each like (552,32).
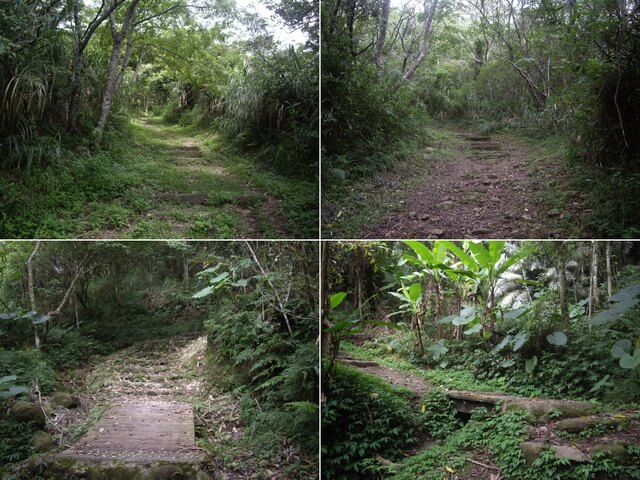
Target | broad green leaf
(631,291)
(628,361)
(475,329)
(621,348)
(508,363)
(415,290)
(462,320)
(496,248)
(8,378)
(557,338)
(243,282)
(13,391)
(612,314)
(336,299)
(207,271)
(505,341)
(513,314)
(465,258)
(421,250)
(204,292)
(530,364)
(519,340)
(481,255)
(219,278)
(8,315)
(40,318)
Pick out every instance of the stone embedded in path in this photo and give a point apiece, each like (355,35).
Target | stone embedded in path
(140,431)
(195,198)
(485,146)
(576,425)
(533,450)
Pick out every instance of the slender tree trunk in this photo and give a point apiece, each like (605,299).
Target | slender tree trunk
(562,290)
(126,32)
(384,22)
(609,272)
(31,289)
(426,35)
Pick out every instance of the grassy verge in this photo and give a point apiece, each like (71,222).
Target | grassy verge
(349,206)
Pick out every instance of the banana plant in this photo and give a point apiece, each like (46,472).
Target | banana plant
(411,298)
(485,265)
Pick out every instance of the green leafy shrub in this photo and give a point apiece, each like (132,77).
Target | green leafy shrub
(67,348)
(16,440)
(438,414)
(28,366)
(364,417)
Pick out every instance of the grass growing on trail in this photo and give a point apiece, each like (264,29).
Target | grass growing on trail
(114,191)
(451,379)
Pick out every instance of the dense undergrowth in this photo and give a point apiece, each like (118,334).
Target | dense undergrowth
(268,357)
(371,430)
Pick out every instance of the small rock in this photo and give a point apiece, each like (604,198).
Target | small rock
(429,149)
(412,214)
(480,231)
(533,450)
(554,212)
(424,217)
(42,441)
(436,232)
(576,425)
(66,400)
(448,203)
(616,452)
(28,412)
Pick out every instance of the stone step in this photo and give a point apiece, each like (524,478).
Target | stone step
(485,146)
(195,198)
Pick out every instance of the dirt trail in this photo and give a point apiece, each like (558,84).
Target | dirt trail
(466,401)
(150,418)
(487,191)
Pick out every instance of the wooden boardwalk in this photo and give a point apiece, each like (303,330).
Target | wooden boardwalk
(140,431)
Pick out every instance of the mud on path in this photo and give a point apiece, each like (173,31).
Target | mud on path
(487,190)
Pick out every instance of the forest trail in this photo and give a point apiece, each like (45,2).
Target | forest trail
(185,191)
(467,401)
(148,390)
(481,187)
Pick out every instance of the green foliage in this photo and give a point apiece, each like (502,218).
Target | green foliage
(438,414)
(66,348)
(16,440)
(28,366)
(364,417)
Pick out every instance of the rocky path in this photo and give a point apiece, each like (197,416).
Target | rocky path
(487,190)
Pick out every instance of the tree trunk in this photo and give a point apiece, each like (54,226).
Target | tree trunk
(609,272)
(113,74)
(562,290)
(31,289)
(384,22)
(426,35)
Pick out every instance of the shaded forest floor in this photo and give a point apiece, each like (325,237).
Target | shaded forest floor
(157,181)
(161,382)
(465,186)
(576,432)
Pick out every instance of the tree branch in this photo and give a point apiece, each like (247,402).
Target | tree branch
(284,313)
